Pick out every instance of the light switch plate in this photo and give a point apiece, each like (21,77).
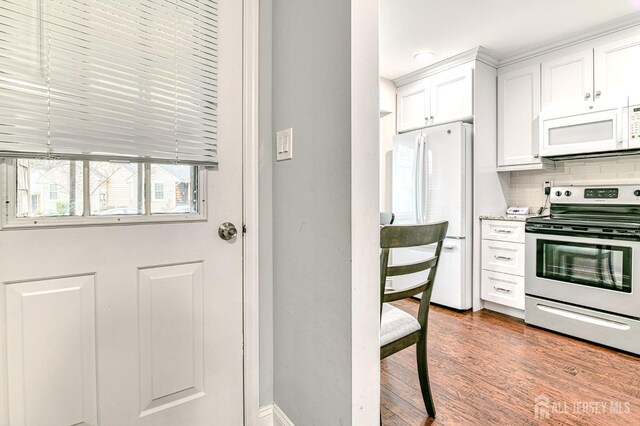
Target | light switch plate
(284,145)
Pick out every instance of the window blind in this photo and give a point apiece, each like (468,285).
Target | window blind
(109,80)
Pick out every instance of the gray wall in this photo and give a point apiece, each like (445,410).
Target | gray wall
(266,206)
(312,211)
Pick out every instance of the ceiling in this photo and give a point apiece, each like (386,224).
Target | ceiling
(449,27)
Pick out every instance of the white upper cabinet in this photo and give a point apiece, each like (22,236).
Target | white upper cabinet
(452,95)
(440,98)
(518,111)
(413,106)
(617,70)
(568,80)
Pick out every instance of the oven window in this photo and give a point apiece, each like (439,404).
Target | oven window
(593,265)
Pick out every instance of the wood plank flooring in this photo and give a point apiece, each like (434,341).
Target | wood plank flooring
(488,369)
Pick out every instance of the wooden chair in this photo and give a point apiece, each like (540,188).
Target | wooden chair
(398,329)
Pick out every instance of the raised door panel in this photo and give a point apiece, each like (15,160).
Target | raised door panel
(413,106)
(51,352)
(518,115)
(171,336)
(616,68)
(568,80)
(452,95)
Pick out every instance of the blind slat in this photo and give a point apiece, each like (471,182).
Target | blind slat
(97,79)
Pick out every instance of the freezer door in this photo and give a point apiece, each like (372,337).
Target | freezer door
(445,176)
(405,173)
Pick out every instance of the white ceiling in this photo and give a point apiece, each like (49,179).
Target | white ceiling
(449,27)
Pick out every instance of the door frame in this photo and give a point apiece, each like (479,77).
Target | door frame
(250,181)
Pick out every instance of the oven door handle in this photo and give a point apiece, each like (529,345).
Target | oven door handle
(583,317)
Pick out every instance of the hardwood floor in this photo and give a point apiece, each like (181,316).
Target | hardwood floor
(488,369)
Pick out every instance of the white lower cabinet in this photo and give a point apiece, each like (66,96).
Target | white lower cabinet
(502,259)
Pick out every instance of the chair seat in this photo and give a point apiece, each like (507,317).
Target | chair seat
(396,324)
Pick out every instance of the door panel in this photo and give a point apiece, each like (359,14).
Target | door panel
(413,105)
(445,176)
(616,67)
(568,80)
(452,95)
(404,177)
(163,303)
(518,111)
(51,351)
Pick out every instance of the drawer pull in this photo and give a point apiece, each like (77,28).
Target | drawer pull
(501,290)
(504,231)
(506,258)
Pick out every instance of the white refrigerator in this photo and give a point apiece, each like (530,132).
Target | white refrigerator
(432,181)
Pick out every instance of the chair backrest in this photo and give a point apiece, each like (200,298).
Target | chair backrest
(387,218)
(399,236)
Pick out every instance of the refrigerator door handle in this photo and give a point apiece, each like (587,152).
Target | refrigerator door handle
(418,180)
(424,207)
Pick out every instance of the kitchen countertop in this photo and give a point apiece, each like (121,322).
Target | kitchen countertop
(509,217)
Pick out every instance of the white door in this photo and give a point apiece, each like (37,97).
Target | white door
(568,80)
(445,176)
(616,67)
(452,95)
(132,324)
(518,115)
(413,106)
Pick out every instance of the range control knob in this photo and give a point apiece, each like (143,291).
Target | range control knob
(558,193)
(567,193)
(636,192)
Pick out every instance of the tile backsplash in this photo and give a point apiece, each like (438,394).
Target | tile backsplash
(526,186)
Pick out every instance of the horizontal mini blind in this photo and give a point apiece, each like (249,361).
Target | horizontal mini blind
(109,80)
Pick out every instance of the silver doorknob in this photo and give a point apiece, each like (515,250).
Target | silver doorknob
(227,231)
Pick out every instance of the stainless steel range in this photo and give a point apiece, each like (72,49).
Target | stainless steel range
(583,265)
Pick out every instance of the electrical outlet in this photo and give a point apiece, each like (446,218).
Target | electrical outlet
(546,187)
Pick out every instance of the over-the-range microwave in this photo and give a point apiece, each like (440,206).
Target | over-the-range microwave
(604,128)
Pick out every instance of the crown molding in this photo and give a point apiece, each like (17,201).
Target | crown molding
(479,53)
(601,30)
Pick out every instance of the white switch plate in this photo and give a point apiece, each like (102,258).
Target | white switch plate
(284,145)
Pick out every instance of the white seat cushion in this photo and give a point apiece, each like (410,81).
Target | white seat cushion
(396,324)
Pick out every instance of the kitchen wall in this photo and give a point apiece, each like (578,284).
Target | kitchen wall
(526,186)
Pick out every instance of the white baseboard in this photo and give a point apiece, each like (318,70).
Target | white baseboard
(272,415)
(507,310)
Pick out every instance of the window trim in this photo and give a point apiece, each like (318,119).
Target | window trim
(9,220)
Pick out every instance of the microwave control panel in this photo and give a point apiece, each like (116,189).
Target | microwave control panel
(634,122)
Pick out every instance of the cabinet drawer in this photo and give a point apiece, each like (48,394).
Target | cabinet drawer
(503,289)
(502,256)
(503,230)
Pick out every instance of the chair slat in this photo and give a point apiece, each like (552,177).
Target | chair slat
(392,296)
(411,268)
(396,236)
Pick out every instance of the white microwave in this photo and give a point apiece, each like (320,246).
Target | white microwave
(612,128)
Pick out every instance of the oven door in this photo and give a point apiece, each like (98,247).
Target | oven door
(590,272)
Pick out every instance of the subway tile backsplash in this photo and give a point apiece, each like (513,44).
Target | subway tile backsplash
(526,186)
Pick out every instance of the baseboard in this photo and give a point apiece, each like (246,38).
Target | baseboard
(507,310)
(272,415)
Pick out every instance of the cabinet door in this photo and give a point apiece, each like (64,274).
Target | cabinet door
(413,105)
(616,68)
(568,80)
(518,111)
(452,95)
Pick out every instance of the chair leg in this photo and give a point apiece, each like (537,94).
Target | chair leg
(423,374)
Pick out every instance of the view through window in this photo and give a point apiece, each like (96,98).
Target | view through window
(59,188)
